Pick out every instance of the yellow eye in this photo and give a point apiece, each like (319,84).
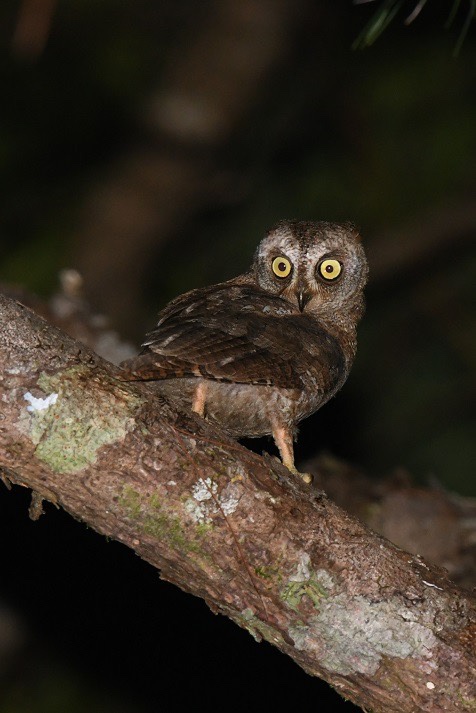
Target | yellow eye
(330,269)
(281,266)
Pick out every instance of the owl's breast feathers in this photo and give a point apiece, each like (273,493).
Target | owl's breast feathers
(240,334)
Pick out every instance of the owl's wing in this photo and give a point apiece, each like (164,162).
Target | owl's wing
(234,333)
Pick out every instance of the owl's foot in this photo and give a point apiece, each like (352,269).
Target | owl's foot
(284,440)
(305,477)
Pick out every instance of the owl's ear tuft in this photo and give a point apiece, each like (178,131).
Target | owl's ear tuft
(353,229)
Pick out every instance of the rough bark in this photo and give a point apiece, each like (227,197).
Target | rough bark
(429,521)
(386,629)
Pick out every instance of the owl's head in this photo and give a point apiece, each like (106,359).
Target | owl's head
(317,266)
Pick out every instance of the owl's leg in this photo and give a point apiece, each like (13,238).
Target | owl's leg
(199,397)
(283,438)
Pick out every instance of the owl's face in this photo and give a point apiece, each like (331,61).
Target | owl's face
(318,267)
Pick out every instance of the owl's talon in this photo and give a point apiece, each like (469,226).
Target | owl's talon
(284,440)
(305,477)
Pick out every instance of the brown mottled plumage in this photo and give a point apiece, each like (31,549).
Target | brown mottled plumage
(266,349)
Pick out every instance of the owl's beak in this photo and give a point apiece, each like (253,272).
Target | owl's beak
(303,297)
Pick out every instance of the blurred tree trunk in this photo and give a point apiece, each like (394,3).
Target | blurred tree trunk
(214,76)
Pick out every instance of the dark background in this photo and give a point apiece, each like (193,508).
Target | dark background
(150,145)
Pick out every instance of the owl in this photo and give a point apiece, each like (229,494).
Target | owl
(264,350)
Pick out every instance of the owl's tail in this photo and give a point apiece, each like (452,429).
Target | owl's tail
(147,367)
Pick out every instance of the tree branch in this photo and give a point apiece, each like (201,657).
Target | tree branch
(387,630)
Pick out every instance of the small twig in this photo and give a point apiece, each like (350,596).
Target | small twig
(36,509)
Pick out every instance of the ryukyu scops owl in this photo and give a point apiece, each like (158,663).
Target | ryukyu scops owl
(262,351)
